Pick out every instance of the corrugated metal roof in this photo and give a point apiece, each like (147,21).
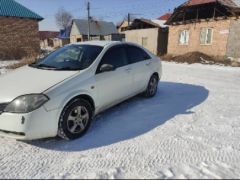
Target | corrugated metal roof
(65,33)
(197,2)
(96,27)
(14,9)
(231,6)
(229,3)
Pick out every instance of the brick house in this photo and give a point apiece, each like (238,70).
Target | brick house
(47,38)
(208,26)
(18,31)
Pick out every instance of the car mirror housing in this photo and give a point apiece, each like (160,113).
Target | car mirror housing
(107,68)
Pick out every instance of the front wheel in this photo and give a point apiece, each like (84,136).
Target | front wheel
(75,119)
(152,86)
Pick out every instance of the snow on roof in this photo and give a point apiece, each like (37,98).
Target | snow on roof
(161,23)
(229,3)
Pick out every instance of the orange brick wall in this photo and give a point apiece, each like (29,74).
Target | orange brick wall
(18,38)
(219,41)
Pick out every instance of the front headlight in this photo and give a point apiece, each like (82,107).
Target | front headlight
(26,103)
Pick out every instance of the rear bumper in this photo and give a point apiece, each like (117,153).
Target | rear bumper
(35,125)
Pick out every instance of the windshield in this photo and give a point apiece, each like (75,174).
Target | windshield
(73,57)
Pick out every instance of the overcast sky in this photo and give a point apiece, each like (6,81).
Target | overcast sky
(109,10)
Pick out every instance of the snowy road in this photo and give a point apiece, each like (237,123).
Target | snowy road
(191,129)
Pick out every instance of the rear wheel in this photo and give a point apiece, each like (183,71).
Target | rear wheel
(75,119)
(152,86)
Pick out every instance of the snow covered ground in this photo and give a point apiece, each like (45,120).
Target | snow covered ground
(191,129)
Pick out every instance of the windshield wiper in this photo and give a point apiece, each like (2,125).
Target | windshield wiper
(69,69)
(43,66)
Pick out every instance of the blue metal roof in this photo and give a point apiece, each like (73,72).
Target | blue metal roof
(14,9)
(64,33)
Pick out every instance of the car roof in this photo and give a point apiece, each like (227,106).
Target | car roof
(105,43)
(99,43)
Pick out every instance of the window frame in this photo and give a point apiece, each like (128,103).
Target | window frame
(113,47)
(205,40)
(179,37)
(129,61)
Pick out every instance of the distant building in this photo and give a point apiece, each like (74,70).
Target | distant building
(19,35)
(98,30)
(208,26)
(123,26)
(47,38)
(63,38)
(151,34)
(165,17)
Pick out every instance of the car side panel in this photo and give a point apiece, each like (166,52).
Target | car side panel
(113,86)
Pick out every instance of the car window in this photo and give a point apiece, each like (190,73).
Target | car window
(74,57)
(136,54)
(116,56)
(69,54)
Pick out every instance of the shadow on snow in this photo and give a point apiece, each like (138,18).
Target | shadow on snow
(133,118)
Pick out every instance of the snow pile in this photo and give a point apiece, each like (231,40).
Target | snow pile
(4,64)
(191,129)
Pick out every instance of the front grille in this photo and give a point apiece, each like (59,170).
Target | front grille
(2,107)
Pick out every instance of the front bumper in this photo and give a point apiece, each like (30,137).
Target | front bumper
(35,125)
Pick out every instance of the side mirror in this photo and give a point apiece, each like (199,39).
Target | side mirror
(107,68)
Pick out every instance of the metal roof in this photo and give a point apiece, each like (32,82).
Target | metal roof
(165,17)
(64,33)
(14,9)
(96,27)
(232,8)
(229,3)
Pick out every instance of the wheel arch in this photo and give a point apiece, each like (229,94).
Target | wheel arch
(155,74)
(85,97)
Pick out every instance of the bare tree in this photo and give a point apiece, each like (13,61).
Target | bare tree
(63,18)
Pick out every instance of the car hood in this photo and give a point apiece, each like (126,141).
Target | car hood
(28,80)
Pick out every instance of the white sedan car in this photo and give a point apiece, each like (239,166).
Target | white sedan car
(61,93)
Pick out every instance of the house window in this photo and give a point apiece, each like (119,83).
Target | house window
(206,36)
(184,37)
(144,41)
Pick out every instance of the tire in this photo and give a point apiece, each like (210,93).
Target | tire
(75,119)
(152,87)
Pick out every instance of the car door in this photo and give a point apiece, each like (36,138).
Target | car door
(140,64)
(114,86)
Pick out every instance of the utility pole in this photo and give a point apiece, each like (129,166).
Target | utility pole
(88,9)
(129,19)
